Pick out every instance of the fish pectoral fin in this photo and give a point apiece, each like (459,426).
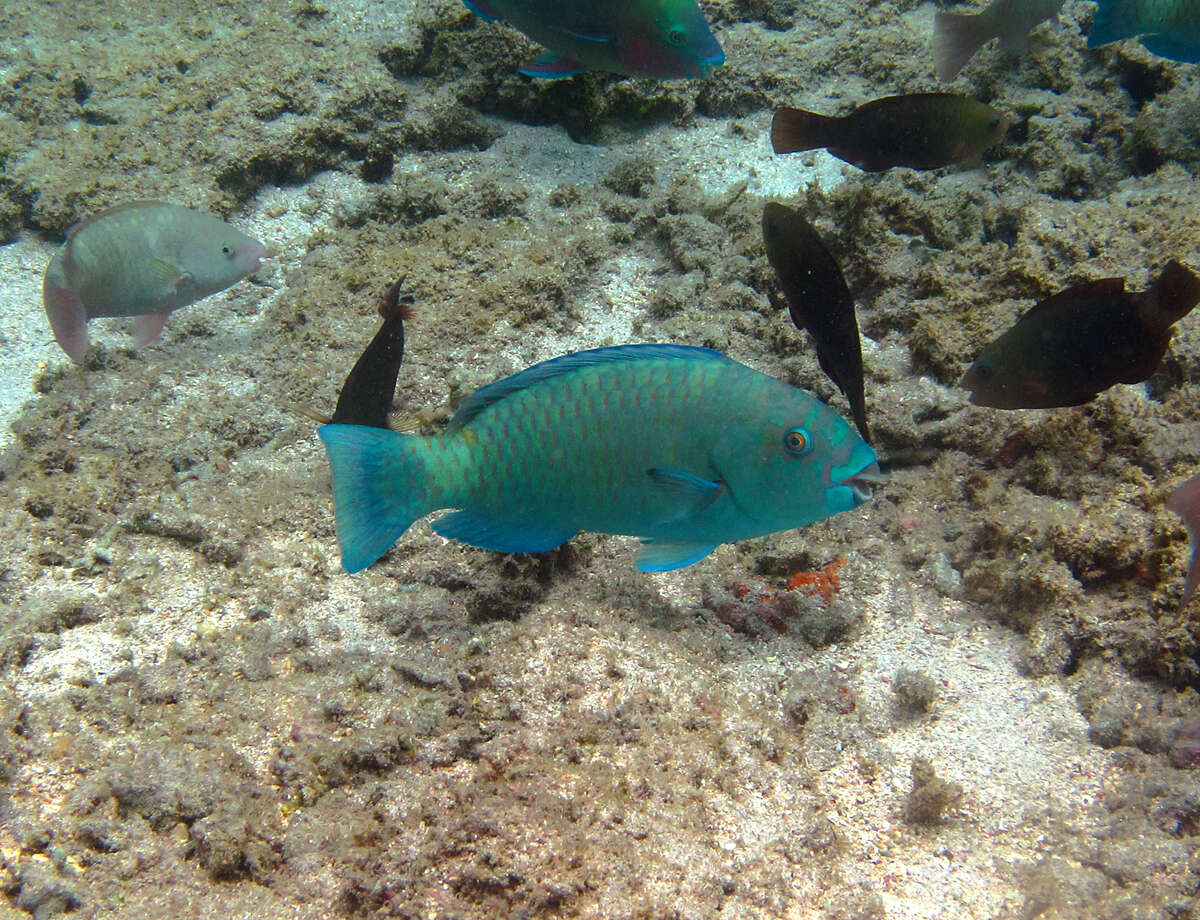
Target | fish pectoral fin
(165,276)
(148,327)
(551,65)
(695,494)
(598,37)
(664,555)
(488,532)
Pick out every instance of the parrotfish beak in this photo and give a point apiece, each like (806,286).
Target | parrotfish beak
(854,482)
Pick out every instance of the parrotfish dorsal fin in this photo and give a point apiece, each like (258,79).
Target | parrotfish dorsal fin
(556,367)
(1185,501)
(115,209)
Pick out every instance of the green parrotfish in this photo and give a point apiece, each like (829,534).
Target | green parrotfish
(681,446)
(957,36)
(918,130)
(647,38)
(1083,340)
(142,259)
(1168,28)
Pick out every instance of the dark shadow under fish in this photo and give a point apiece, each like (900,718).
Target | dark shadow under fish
(1072,346)
(366,397)
(918,130)
(818,300)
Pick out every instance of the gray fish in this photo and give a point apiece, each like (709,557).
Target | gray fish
(957,36)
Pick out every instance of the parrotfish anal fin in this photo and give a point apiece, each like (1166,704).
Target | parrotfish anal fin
(502,536)
(482,9)
(694,493)
(148,327)
(68,319)
(664,555)
(551,65)
(1175,47)
(1185,501)
(494,392)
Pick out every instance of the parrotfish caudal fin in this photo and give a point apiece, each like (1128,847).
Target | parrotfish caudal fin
(956,38)
(796,129)
(1185,501)
(68,317)
(1177,291)
(379,489)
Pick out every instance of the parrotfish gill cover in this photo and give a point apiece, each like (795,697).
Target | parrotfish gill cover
(681,446)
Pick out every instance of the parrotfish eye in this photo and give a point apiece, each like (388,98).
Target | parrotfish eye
(225,250)
(676,36)
(983,370)
(797,441)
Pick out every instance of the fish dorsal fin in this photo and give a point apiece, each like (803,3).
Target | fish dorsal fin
(115,209)
(1104,288)
(568,364)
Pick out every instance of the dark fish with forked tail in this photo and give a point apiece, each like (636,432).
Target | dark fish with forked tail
(1070,347)
(919,130)
(818,300)
(957,36)
(366,397)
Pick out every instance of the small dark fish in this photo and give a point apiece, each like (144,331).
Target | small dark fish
(1185,501)
(1083,340)
(366,397)
(818,300)
(921,131)
(957,36)
(1168,28)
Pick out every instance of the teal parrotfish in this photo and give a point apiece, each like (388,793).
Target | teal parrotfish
(1081,341)
(917,130)
(1168,28)
(681,446)
(647,38)
(142,259)
(957,36)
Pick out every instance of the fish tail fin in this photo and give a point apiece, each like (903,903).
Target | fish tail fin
(796,129)
(1115,20)
(67,315)
(380,486)
(1185,501)
(1177,291)
(956,38)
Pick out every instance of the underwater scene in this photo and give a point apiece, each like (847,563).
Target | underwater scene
(624,459)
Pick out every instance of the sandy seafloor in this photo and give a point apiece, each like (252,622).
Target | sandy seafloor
(201,715)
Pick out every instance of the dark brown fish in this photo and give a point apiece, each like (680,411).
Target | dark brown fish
(818,300)
(920,130)
(366,397)
(1081,341)
(1185,501)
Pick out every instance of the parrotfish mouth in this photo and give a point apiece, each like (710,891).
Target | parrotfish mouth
(863,484)
(711,63)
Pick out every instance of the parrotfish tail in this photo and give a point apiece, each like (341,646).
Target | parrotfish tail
(1177,291)
(956,38)
(380,486)
(1185,501)
(1115,20)
(68,319)
(796,129)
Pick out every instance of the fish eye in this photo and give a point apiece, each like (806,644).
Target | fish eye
(225,250)
(676,36)
(797,441)
(994,121)
(983,370)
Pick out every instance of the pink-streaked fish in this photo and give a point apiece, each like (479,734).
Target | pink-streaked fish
(142,259)
(957,36)
(1185,501)
(647,38)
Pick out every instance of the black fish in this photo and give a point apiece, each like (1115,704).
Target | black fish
(366,397)
(818,300)
(1068,348)
(920,130)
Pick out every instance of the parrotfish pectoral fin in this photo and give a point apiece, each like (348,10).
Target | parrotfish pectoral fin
(550,66)
(164,276)
(378,488)
(68,319)
(694,493)
(664,555)
(1185,501)
(482,9)
(501,536)
(148,327)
